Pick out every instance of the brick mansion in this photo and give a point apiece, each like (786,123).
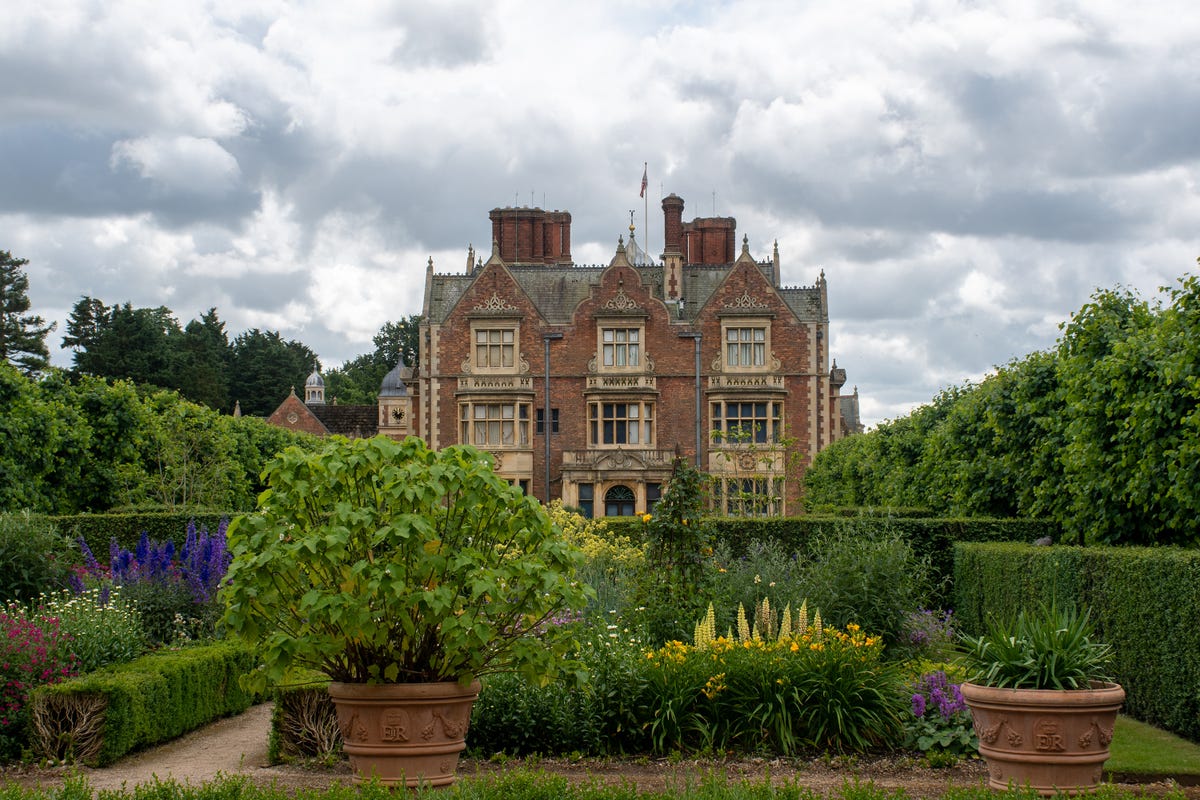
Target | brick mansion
(586,383)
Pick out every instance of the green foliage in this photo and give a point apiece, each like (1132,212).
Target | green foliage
(673,586)
(99,530)
(533,783)
(86,445)
(102,626)
(202,362)
(34,556)
(264,368)
(123,342)
(744,546)
(358,380)
(873,578)
(766,569)
(22,335)
(603,716)
(825,689)
(375,560)
(516,717)
(1131,378)
(41,445)
(1050,648)
(33,652)
(151,699)
(611,560)
(1143,602)
(939,723)
(1101,434)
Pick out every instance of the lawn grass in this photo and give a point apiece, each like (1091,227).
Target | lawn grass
(1141,749)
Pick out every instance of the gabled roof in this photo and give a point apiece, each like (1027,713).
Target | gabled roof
(557,290)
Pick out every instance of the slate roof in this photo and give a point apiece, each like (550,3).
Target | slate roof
(351,421)
(558,290)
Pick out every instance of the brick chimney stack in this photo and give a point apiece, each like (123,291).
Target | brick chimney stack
(531,235)
(672,206)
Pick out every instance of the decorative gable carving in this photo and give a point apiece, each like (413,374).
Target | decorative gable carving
(620,302)
(747,302)
(495,303)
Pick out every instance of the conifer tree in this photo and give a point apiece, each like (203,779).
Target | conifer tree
(22,335)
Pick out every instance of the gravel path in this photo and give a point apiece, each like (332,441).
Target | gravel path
(238,746)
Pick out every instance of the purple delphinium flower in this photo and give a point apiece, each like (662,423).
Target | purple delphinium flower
(918,705)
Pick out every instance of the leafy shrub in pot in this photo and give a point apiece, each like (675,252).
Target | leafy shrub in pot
(382,562)
(1043,704)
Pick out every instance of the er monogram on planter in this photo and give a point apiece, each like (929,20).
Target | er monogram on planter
(404,575)
(1043,704)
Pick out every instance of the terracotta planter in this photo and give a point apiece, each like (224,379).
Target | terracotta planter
(1052,740)
(404,734)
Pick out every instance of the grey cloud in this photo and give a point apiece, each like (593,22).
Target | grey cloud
(448,34)
(65,171)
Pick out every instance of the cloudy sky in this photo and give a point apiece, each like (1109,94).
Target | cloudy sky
(966,174)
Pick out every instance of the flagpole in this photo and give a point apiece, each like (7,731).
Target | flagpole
(646,212)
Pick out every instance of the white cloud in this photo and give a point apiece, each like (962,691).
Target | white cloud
(179,163)
(966,175)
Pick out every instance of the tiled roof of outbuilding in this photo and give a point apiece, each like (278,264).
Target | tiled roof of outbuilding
(351,421)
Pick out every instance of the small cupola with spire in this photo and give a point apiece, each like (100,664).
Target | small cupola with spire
(314,388)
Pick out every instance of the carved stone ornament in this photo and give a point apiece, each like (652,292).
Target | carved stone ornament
(495,303)
(620,302)
(620,460)
(746,301)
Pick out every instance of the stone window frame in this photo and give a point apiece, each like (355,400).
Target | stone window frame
(501,326)
(751,322)
(627,326)
(646,422)
(719,416)
(468,420)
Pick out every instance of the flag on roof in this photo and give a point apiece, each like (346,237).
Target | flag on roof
(642,193)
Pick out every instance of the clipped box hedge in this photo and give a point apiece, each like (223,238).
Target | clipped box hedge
(162,526)
(99,717)
(303,721)
(1145,602)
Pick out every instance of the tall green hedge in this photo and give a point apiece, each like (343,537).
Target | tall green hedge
(1145,603)
(162,526)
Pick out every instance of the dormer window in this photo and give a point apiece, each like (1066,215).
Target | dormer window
(621,347)
(495,348)
(745,347)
